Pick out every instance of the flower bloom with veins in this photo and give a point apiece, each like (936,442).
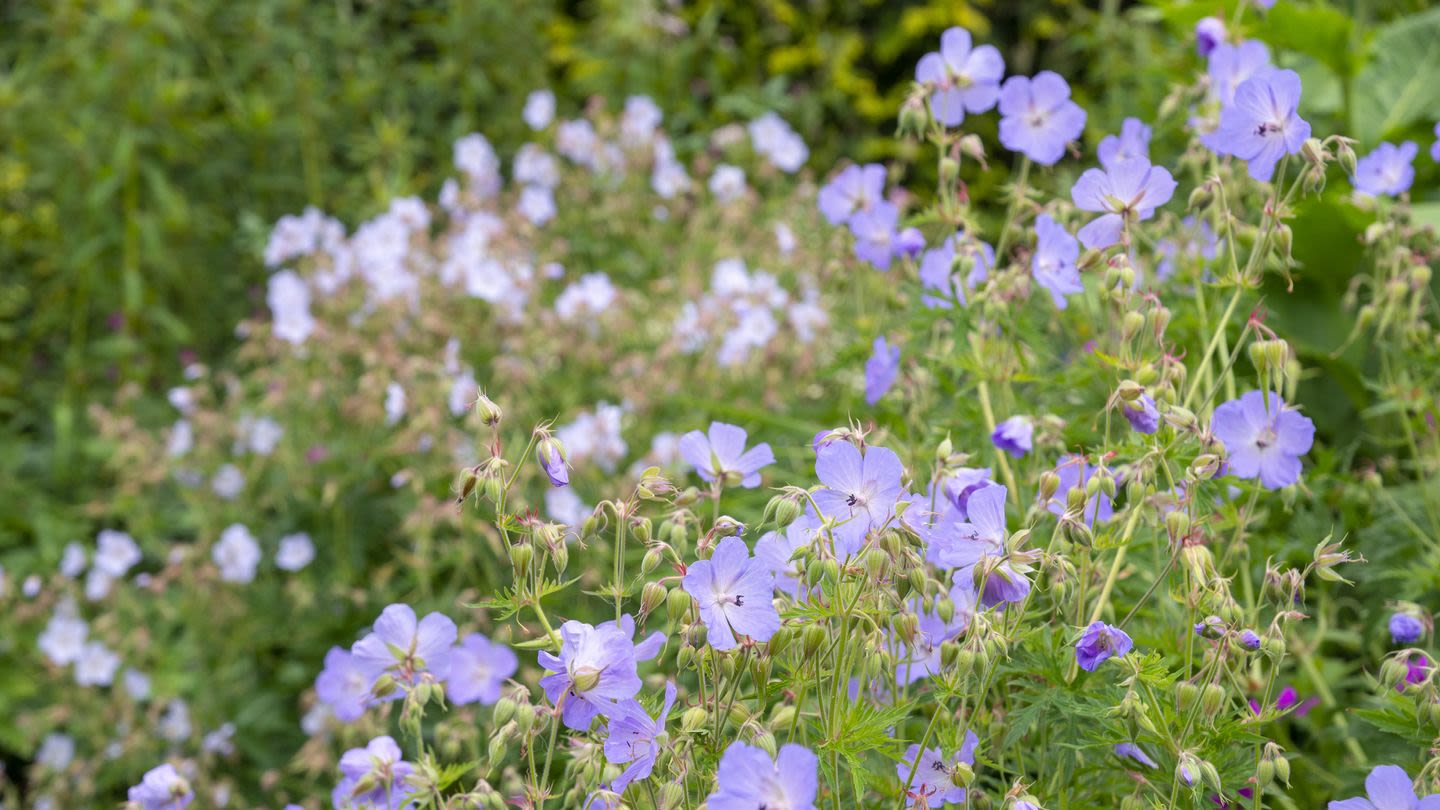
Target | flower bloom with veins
(633,738)
(1099,643)
(1388,787)
(875,236)
(162,788)
(720,455)
(775,549)
(1263,438)
(734,594)
(963,546)
(1132,143)
(1263,124)
(1230,65)
(931,783)
(855,188)
(861,491)
(373,777)
(1387,171)
(1127,191)
(1053,264)
(1038,118)
(880,370)
(406,649)
(1015,436)
(478,668)
(1074,471)
(344,685)
(594,671)
(748,779)
(961,78)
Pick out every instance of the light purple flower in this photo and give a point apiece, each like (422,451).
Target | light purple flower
(552,460)
(721,454)
(631,737)
(1135,752)
(1133,143)
(1099,643)
(1261,440)
(1074,472)
(1249,639)
(1053,264)
(1129,191)
(962,79)
(861,491)
(881,370)
(1196,240)
(478,669)
(408,650)
(1388,171)
(162,788)
(909,242)
(922,657)
(1230,65)
(932,785)
(775,548)
(1015,436)
(593,672)
(1263,124)
(748,779)
(1388,788)
(734,595)
(874,230)
(1038,118)
(1405,629)
(344,685)
(1142,414)
(938,266)
(1435,147)
(373,777)
(964,545)
(1209,33)
(855,188)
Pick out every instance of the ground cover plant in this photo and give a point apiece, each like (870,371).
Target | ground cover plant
(660,467)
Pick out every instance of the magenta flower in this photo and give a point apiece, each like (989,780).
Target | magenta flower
(961,78)
(881,370)
(734,594)
(721,455)
(407,650)
(631,738)
(1099,643)
(1130,191)
(593,672)
(1388,787)
(344,685)
(1038,118)
(1263,439)
(162,788)
(1387,171)
(1053,264)
(1263,125)
(1015,436)
(749,779)
(1133,143)
(932,785)
(874,229)
(855,188)
(478,669)
(373,777)
(861,491)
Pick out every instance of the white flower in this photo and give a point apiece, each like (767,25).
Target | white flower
(182,398)
(475,157)
(72,560)
(537,204)
(639,121)
(237,554)
(228,482)
(97,584)
(536,167)
(260,436)
(592,294)
(175,722)
(394,403)
(463,391)
(595,437)
(564,506)
(64,635)
(181,439)
(727,182)
(56,752)
(137,684)
(96,665)
(115,552)
(784,239)
(296,552)
(539,109)
(219,740)
(289,302)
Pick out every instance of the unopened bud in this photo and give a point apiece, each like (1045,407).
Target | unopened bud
(489,412)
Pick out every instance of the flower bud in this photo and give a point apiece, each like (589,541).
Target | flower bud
(1049,485)
(1177,523)
(677,605)
(489,412)
(1186,694)
(1129,390)
(1200,198)
(783,717)
(693,719)
(651,597)
(1212,699)
(813,637)
(949,172)
(521,555)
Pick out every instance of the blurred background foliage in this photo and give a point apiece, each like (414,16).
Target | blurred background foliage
(145,147)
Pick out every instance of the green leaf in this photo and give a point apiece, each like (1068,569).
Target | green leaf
(1317,30)
(1397,86)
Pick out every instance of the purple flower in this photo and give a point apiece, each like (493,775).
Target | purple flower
(1263,124)
(1388,170)
(722,455)
(1389,788)
(407,650)
(938,266)
(478,668)
(855,188)
(344,685)
(162,788)
(962,546)
(962,79)
(1435,147)
(775,548)
(748,779)
(734,594)
(1133,143)
(1197,239)
(1288,698)
(1053,265)
(1230,65)
(874,229)
(922,656)
(909,242)
(552,460)
(1038,118)
(1249,639)
(594,670)
(1129,191)
(1263,440)
(1209,34)
(931,784)
(881,370)
(1099,643)
(1405,629)
(1135,752)
(1142,414)
(1014,436)
(861,491)
(1074,472)
(373,777)
(631,737)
